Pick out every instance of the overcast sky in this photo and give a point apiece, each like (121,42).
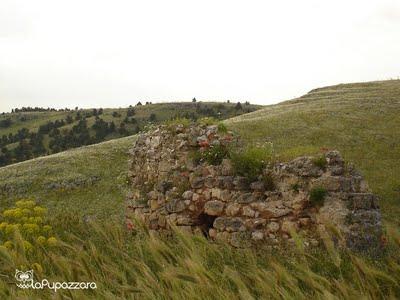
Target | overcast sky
(113,53)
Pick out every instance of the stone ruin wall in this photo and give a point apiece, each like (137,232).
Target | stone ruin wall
(169,188)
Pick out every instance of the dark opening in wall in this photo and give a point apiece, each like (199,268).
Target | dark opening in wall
(205,222)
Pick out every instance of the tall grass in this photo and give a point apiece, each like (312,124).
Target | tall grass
(141,265)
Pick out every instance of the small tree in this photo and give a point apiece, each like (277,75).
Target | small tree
(194,100)
(238,106)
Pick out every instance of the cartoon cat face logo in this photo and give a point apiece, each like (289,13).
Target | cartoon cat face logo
(24,277)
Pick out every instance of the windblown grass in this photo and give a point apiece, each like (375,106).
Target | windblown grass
(139,265)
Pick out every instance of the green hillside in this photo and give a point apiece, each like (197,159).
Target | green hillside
(88,181)
(361,120)
(33,132)
(84,190)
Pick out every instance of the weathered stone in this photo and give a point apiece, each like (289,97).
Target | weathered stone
(245,198)
(304,167)
(233,209)
(240,239)
(209,181)
(334,183)
(184,220)
(363,201)
(212,233)
(248,212)
(207,194)
(216,193)
(225,195)
(257,235)
(188,195)
(197,182)
(235,224)
(334,158)
(175,206)
(273,209)
(155,141)
(257,186)
(214,208)
(163,186)
(228,224)
(273,227)
(240,183)
(227,182)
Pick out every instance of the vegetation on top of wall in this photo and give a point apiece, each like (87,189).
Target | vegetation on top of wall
(320,161)
(317,196)
(214,154)
(250,161)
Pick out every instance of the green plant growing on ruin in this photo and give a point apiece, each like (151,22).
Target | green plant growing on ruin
(295,187)
(269,182)
(222,128)
(317,196)
(182,185)
(195,156)
(207,121)
(214,154)
(320,161)
(250,161)
(178,121)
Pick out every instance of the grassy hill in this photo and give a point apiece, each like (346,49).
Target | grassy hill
(163,111)
(85,181)
(26,133)
(89,184)
(362,120)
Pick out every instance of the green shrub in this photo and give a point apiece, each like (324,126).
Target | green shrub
(222,128)
(269,182)
(178,121)
(320,161)
(317,196)
(295,187)
(195,156)
(215,154)
(207,121)
(250,162)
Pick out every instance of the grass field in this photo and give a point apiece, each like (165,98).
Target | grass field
(84,190)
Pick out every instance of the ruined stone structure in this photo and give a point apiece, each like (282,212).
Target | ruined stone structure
(169,186)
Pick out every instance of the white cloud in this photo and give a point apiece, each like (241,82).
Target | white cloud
(112,53)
